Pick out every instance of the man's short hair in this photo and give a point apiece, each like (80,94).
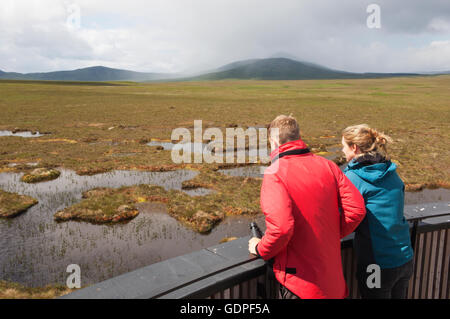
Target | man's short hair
(287,127)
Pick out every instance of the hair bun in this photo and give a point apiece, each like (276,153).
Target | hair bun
(380,139)
(373,134)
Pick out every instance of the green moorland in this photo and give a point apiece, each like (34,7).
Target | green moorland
(97,127)
(92,123)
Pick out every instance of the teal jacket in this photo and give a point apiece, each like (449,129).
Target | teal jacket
(383,237)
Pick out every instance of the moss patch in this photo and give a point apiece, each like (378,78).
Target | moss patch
(11,205)
(40,175)
(101,206)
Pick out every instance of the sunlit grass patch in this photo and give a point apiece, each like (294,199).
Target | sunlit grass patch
(12,290)
(40,175)
(101,206)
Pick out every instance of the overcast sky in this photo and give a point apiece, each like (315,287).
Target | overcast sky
(186,35)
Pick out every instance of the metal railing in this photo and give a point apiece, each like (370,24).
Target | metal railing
(229,271)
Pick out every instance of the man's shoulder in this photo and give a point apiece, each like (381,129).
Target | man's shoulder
(326,164)
(271,171)
(317,168)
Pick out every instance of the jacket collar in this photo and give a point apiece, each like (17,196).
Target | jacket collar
(367,160)
(289,146)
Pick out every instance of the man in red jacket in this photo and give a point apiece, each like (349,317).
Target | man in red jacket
(309,205)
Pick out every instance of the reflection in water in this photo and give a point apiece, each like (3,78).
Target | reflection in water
(245,171)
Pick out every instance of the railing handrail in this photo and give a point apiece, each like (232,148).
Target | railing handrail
(425,211)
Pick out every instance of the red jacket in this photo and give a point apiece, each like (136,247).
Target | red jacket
(309,205)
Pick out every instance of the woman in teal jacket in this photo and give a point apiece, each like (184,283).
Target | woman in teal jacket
(383,237)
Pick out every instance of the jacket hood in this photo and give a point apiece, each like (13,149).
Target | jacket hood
(371,173)
(289,146)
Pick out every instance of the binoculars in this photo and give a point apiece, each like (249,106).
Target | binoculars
(256,231)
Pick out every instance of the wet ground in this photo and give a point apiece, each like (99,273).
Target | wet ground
(34,250)
(245,171)
(186,147)
(26,134)
(427,196)
(252,152)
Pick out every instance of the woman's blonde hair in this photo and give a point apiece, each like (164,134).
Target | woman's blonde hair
(368,140)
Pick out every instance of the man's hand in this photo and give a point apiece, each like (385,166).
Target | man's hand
(252,245)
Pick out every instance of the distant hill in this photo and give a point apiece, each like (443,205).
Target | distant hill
(274,68)
(437,72)
(284,69)
(96,73)
(234,65)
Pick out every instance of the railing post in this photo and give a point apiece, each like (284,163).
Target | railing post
(271,282)
(414,234)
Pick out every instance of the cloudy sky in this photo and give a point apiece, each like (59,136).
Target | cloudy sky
(187,35)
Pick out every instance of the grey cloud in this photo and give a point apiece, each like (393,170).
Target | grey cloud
(177,35)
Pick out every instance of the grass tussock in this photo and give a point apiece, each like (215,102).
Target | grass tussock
(12,205)
(40,175)
(101,206)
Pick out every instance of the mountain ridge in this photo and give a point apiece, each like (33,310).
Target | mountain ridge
(94,73)
(288,69)
(273,68)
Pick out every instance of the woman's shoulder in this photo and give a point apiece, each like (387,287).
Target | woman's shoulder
(356,180)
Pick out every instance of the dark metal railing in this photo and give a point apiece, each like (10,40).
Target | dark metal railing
(229,271)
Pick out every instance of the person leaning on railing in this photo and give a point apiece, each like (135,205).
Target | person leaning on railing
(383,237)
(309,205)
